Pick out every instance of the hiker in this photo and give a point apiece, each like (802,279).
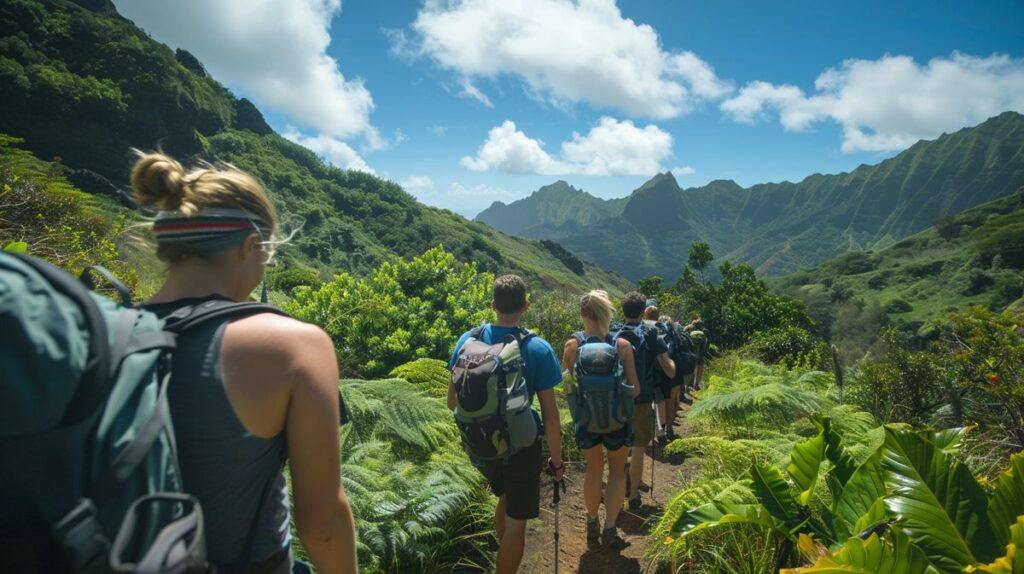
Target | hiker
(666,388)
(246,395)
(503,360)
(700,341)
(595,426)
(650,354)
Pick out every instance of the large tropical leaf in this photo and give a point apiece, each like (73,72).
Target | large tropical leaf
(772,490)
(720,513)
(805,462)
(893,554)
(861,492)
(936,501)
(843,464)
(1013,561)
(1007,502)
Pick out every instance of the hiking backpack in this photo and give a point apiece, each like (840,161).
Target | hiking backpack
(602,400)
(636,335)
(681,350)
(492,408)
(90,479)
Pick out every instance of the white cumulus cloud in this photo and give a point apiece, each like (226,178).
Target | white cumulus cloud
(417,183)
(890,103)
(611,147)
(565,51)
(683,170)
(274,51)
(330,149)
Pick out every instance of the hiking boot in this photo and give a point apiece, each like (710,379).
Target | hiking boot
(662,436)
(634,504)
(610,538)
(671,434)
(593,529)
(686,399)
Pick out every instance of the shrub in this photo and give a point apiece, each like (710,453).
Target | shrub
(898,306)
(403,311)
(789,346)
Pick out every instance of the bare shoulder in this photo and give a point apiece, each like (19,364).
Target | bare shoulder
(571,344)
(623,345)
(276,334)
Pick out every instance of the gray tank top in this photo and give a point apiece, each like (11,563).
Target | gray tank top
(236,476)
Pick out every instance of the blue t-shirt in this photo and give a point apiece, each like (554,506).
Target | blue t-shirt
(541,368)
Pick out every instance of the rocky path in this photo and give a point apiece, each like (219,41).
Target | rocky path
(575,554)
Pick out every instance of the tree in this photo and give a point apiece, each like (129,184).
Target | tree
(700,257)
(650,286)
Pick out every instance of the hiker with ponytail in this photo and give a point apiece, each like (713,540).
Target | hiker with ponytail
(248,393)
(601,392)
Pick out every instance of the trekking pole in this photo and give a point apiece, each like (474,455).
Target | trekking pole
(556,498)
(654,446)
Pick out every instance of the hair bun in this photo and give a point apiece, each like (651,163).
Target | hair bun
(159,180)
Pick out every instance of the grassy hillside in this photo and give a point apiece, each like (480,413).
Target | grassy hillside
(81,86)
(779,228)
(973,258)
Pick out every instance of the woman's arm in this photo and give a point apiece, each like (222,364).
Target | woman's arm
(323,516)
(569,352)
(625,351)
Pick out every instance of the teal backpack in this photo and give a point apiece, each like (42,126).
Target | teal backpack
(90,477)
(602,400)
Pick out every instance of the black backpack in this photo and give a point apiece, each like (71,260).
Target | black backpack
(681,349)
(636,335)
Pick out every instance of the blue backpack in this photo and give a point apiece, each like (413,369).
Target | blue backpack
(637,335)
(602,401)
(90,475)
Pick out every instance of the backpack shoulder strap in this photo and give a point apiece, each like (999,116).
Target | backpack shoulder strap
(477,331)
(191,316)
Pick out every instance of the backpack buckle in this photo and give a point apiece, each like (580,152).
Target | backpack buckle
(80,540)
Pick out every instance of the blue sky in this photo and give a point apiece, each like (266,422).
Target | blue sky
(467,102)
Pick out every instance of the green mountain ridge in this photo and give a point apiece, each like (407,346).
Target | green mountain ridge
(82,86)
(973,258)
(780,227)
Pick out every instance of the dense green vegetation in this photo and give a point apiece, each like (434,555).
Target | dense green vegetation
(778,228)
(788,456)
(82,84)
(971,258)
(784,474)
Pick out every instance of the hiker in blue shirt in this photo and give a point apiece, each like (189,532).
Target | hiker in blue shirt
(515,478)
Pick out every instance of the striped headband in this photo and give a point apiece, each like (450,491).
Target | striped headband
(210,230)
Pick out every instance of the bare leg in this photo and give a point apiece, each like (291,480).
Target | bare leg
(510,552)
(636,470)
(592,482)
(615,492)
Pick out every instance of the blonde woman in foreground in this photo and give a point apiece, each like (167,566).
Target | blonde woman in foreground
(596,311)
(250,394)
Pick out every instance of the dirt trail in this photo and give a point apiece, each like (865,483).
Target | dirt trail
(575,555)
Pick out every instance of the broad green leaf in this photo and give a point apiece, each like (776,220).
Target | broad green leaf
(873,517)
(1007,502)
(860,494)
(948,440)
(1013,561)
(718,513)
(893,554)
(936,501)
(772,490)
(843,463)
(805,461)
(16,247)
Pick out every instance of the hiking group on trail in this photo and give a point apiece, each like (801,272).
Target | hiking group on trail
(154,437)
